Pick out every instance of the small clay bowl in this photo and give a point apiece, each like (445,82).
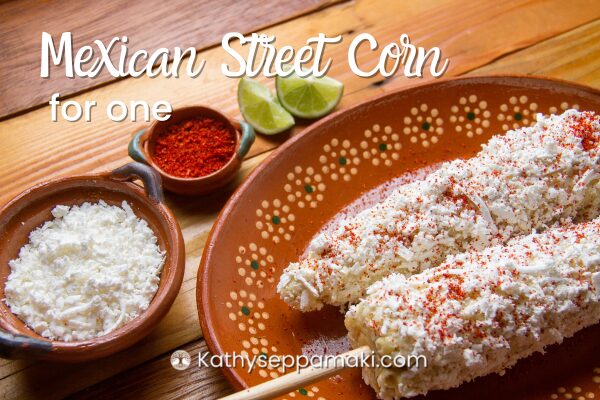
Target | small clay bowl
(32,208)
(141,148)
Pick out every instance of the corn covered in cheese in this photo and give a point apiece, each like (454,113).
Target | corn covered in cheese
(480,312)
(528,179)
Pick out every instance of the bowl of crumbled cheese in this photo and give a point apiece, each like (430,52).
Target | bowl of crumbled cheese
(89,265)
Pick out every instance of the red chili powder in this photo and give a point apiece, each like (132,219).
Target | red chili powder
(194,148)
(584,129)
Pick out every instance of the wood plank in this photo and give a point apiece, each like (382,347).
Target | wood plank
(574,65)
(574,56)
(32,149)
(149,25)
(158,379)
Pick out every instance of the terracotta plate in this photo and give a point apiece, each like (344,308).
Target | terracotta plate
(273,216)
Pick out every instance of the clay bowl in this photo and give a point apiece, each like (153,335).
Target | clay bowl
(270,220)
(32,208)
(141,148)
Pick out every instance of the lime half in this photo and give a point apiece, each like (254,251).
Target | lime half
(308,97)
(261,109)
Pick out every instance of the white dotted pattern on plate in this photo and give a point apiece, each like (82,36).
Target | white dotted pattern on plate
(577,392)
(470,115)
(381,145)
(424,124)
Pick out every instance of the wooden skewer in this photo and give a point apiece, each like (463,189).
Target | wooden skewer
(294,380)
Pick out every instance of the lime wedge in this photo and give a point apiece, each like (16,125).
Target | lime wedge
(308,97)
(261,109)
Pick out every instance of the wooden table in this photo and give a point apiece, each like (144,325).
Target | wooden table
(551,38)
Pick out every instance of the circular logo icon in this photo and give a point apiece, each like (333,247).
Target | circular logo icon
(181,359)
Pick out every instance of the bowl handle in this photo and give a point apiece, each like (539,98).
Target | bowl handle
(246,140)
(21,346)
(149,176)
(136,147)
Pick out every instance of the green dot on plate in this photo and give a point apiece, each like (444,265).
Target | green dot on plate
(263,355)
(308,188)
(303,391)
(518,116)
(254,264)
(245,310)
(342,161)
(276,220)
(471,115)
(382,146)
(425,126)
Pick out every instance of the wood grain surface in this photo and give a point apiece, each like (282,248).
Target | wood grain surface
(528,37)
(149,25)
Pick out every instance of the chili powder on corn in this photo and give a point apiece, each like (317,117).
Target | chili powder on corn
(194,148)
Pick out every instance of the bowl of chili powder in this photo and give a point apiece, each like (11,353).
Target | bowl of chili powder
(196,151)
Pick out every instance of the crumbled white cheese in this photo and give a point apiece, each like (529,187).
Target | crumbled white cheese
(87,272)
(530,178)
